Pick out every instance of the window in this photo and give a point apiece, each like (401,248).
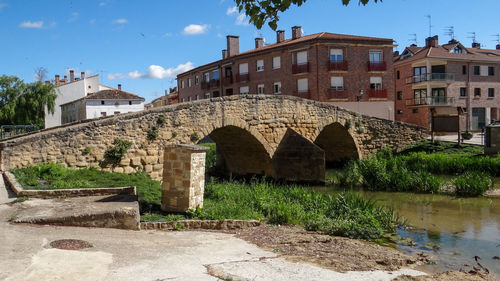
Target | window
(484,70)
(419,94)
(116,112)
(477,92)
(476,69)
(491,71)
(243,68)
(457,50)
(491,93)
(397,75)
(415,110)
(260,65)
(337,83)
(196,80)
(463,92)
(189,99)
(183,100)
(244,90)
(103,114)
(419,74)
(302,85)
(277,88)
(376,83)
(400,95)
(197,97)
(376,56)
(260,89)
(129,102)
(276,62)
(190,82)
(207,95)
(400,111)
(336,55)
(206,76)
(102,102)
(182,84)
(302,57)
(464,69)
(215,75)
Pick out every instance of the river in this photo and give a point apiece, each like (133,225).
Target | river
(451,229)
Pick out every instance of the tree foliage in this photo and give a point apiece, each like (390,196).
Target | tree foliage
(262,11)
(24,103)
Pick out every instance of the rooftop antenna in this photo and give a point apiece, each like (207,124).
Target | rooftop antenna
(413,38)
(472,36)
(430,24)
(450,31)
(497,38)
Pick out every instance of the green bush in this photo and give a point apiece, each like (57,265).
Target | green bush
(472,184)
(114,154)
(152,133)
(211,155)
(160,121)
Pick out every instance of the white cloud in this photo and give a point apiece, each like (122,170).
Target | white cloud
(31,24)
(92,21)
(74,16)
(242,19)
(154,72)
(102,4)
(195,29)
(231,11)
(120,21)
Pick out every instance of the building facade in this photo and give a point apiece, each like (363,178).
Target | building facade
(447,80)
(354,72)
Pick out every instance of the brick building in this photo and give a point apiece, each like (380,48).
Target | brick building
(447,80)
(354,72)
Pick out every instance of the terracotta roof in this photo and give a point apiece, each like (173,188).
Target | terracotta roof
(340,38)
(113,94)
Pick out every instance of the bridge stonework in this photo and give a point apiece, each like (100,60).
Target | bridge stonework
(248,130)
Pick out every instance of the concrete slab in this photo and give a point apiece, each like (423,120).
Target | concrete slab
(6,195)
(477,138)
(116,211)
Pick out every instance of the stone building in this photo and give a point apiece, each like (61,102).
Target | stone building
(447,80)
(353,72)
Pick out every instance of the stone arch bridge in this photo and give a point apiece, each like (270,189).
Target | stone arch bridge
(279,136)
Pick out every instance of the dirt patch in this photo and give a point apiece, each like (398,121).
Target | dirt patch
(448,276)
(338,253)
(70,244)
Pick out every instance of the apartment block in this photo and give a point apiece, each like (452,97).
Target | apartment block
(448,80)
(354,72)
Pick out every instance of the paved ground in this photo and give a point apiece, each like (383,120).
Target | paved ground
(477,138)
(147,255)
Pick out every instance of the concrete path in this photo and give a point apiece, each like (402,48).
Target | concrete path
(6,195)
(116,254)
(477,138)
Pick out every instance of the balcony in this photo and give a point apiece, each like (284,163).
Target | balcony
(377,66)
(337,66)
(337,93)
(431,77)
(205,85)
(214,83)
(227,81)
(377,94)
(430,101)
(302,94)
(242,77)
(300,68)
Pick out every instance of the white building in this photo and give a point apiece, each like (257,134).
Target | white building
(84,98)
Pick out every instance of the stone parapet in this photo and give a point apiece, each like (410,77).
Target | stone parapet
(200,224)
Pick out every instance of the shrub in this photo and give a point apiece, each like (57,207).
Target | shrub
(174,134)
(211,155)
(114,154)
(160,121)
(347,124)
(472,184)
(86,151)
(195,137)
(152,133)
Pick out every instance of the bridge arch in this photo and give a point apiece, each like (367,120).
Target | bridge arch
(338,143)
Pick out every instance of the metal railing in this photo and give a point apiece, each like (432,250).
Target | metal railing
(337,65)
(377,66)
(8,131)
(243,77)
(300,68)
(337,93)
(438,77)
(431,101)
(377,94)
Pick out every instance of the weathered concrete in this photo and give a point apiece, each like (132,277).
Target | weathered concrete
(6,194)
(183,177)
(116,211)
(248,130)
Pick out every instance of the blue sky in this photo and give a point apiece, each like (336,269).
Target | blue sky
(144,44)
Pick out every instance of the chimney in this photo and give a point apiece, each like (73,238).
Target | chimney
(395,54)
(432,41)
(71,75)
(296,32)
(259,42)
(82,75)
(119,87)
(57,80)
(47,82)
(224,54)
(65,80)
(498,46)
(476,45)
(280,36)
(233,45)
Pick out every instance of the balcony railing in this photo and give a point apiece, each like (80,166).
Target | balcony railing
(214,83)
(300,68)
(337,66)
(437,77)
(243,77)
(377,66)
(377,94)
(431,101)
(302,94)
(205,85)
(227,80)
(337,93)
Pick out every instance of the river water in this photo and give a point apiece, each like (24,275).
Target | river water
(453,230)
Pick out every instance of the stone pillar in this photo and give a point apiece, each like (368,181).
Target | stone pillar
(183,177)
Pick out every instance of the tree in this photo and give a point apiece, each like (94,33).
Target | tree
(23,104)
(262,11)
(41,73)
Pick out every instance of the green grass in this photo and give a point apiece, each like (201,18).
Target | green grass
(472,184)
(210,155)
(443,147)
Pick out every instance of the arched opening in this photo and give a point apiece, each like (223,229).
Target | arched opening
(239,153)
(338,144)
